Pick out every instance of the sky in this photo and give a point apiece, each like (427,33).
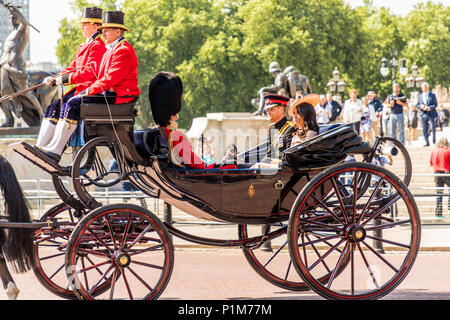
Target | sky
(46,14)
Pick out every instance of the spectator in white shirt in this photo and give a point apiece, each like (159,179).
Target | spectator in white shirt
(323,111)
(353,110)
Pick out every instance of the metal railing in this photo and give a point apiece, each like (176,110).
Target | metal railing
(42,196)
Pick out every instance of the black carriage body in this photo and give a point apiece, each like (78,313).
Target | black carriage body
(248,196)
(237,196)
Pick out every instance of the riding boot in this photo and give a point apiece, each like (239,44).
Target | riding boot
(63,132)
(45,133)
(57,133)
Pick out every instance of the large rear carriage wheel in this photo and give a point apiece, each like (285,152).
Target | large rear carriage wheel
(126,243)
(332,225)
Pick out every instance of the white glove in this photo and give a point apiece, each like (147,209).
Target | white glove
(47,81)
(59,81)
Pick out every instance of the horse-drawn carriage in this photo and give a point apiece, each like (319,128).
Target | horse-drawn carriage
(347,230)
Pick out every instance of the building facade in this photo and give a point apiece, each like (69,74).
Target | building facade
(5,24)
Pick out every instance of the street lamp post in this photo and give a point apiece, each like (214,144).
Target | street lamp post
(336,86)
(393,65)
(414,82)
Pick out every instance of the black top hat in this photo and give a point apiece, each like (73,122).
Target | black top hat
(92,15)
(165,91)
(275,100)
(113,19)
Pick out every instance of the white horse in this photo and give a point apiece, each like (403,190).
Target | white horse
(16,244)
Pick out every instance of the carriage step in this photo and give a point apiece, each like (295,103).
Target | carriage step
(39,159)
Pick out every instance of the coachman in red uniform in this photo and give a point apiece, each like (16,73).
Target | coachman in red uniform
(85,66)
(116,81)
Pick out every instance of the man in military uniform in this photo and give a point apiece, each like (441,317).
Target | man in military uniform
(81,72)
(280,130)
(117,81)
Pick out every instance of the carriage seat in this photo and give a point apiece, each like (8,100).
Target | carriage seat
(115,121)
(150,143)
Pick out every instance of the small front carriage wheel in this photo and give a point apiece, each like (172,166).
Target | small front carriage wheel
(124,242)
(332,224)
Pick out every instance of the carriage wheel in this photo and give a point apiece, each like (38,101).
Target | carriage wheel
(276,266)
(326,225)
(90,170)
(402,165)
(124,242)
(50,247)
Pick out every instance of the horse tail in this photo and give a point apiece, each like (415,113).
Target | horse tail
(17,245)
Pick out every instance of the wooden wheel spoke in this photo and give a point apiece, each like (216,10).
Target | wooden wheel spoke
(125,233)
(125,280)
(140,279)
(100,240)
(387,225)
(103,276)
(275,254)
(389,241)
(93,266)
(324,206)
(380,211)
(369,269)
(381,257)
(149,265)
(369,201)
(338,264)
(321,258)
(340,200)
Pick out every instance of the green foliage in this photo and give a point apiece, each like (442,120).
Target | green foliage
(428,41)
(222,48)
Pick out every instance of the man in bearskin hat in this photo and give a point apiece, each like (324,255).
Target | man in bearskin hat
(116,81)
(165,91)
(280,130)
(81,73)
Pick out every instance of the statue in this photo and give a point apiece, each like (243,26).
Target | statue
(290,80)
(14,77)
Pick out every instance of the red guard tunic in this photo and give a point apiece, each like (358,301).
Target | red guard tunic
(182,154)
(118,73)
(90,55)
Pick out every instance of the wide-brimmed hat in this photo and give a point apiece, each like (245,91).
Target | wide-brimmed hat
(92,15)
(313,99)
(275,100)
(113,19)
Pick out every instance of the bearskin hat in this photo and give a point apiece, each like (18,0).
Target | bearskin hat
(165,91)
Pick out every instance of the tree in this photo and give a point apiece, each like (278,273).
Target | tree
(222,49)
(426,31)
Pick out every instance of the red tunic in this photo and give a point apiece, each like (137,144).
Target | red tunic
(118,73)
(440,159)
(182,154)
(90,54)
